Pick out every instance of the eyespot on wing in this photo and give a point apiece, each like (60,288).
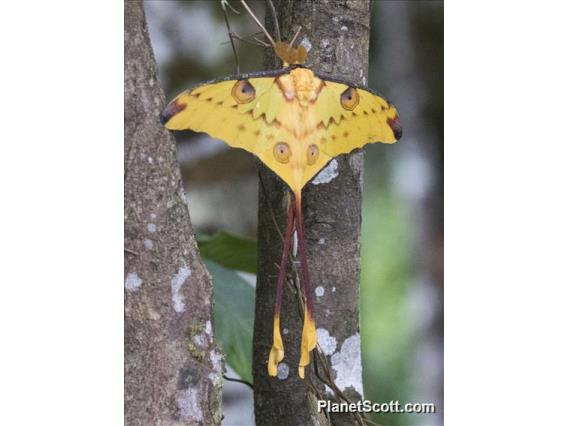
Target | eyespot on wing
(243,92)
(313,154)
(282,152)
(349,98)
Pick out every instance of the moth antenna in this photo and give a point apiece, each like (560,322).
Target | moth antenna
(245,5)
(296,35)
(225,14)
(275,19)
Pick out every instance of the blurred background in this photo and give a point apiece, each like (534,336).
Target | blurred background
(402,233)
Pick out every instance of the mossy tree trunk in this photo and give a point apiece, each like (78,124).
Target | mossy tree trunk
(338,34)
(172,366)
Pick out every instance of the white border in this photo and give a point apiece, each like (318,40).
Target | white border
(61,216)
(61,307)
(506,213)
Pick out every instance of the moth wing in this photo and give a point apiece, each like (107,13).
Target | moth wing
(372,119)
(214,109)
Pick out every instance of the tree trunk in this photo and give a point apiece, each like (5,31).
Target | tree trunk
(173,370)
(338,33)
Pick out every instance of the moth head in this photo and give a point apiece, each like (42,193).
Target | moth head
(289,54)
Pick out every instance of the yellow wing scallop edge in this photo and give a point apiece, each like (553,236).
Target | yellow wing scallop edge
(212,109)
(260,117)
(372,120)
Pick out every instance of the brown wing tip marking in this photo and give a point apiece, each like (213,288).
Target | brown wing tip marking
(173,108)
(394,124)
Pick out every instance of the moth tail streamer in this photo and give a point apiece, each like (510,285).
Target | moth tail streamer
(277,351)
(309,336)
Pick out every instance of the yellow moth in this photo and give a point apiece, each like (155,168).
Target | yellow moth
(295,121)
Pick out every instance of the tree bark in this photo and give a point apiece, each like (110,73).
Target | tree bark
(338,33)
(173,370)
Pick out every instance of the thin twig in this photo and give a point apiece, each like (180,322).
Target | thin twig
(257,22)
(253,36)
(244,39)
(135,253)
(223,3)
(321,361)
(226,2)
(320,396)
(233,379)
(261,43)
(275,19)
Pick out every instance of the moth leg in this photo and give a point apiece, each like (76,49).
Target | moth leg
(309,337)
(277,350)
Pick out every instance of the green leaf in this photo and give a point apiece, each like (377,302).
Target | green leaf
(229,251)
(234,316)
